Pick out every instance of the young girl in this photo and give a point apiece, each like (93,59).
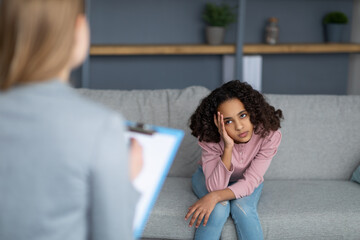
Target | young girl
(64,167)
(238,132)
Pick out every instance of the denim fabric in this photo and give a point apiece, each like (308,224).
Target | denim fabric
(243,211)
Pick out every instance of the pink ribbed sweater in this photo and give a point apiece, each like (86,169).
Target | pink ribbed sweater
(249,163)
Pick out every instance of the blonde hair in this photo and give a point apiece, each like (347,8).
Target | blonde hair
(36,39)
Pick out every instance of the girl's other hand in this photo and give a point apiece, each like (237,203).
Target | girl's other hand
(136,158)
(219,122)
(201,210)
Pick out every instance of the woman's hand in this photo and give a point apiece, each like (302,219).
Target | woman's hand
(219,122)
(202,209)
(136,158)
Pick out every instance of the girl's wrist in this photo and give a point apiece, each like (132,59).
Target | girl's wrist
(222,195)
(228,146)
(216,196)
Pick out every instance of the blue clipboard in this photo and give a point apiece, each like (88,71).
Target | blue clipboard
(160,145)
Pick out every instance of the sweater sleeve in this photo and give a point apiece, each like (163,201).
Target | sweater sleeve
(217,176)
(254,174)
(112,195)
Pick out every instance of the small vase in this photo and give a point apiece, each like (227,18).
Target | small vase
(333,32)
(215,35)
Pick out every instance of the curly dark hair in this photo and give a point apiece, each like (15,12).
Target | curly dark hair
(263,116)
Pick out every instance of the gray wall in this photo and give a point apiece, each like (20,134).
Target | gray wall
(179,22)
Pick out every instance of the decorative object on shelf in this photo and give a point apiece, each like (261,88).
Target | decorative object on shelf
(334,24)
(272,31)
(218,17)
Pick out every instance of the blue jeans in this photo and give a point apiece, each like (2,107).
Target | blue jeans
(243,211)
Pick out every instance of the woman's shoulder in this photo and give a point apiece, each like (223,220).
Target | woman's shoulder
(77,111)
(85,107)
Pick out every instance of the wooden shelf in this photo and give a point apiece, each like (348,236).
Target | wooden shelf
(161,49)
(106,50)
(301,48)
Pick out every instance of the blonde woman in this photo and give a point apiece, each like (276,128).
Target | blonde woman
(64,171)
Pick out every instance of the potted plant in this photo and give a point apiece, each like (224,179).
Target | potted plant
(334,23)
(217,17)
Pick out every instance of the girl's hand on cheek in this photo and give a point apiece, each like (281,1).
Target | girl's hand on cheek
(219,122)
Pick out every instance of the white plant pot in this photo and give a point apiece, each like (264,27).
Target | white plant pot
(215,35)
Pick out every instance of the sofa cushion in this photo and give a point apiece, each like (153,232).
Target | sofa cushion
(308,209)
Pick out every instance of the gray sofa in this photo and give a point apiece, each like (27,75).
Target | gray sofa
(307,193)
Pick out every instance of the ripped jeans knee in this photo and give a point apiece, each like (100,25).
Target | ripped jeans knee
(244,213)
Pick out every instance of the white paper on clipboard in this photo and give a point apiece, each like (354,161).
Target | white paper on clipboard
(159,150)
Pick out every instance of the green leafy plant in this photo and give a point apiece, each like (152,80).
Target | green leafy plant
(335,17)
(218,15)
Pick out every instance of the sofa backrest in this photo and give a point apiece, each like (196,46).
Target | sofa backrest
(321,134)
(166,107)
(320,137)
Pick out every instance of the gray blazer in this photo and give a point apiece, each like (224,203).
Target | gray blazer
(63,167)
